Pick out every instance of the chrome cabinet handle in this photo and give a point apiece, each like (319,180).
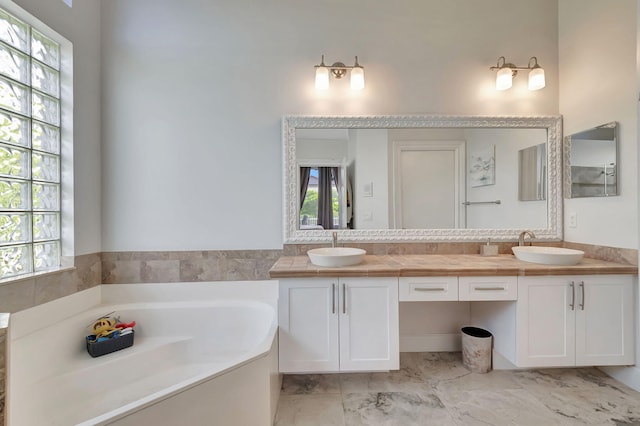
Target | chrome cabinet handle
(489,288)
(333,298)
(344,298)
(573,296)
(429,289)
(582,300)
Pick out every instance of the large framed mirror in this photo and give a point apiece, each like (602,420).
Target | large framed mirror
(591,162)
(419,178)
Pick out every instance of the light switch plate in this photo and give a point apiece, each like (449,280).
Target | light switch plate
(367,189)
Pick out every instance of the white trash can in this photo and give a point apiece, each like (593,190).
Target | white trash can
(476,349)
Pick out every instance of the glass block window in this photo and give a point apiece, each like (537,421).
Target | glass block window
(29,149)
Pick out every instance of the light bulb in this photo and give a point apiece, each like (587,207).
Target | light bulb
(322,78)
(504,78)
(536,79)
(357,78)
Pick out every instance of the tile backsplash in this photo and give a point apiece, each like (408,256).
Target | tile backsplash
(611,254)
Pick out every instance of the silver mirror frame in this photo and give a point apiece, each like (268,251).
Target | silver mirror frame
(292,235)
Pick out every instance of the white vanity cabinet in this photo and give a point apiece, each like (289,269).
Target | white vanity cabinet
(338,324)
(574,321)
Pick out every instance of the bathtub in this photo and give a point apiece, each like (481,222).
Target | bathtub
(204,354)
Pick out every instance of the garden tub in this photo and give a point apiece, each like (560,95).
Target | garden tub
(204,353)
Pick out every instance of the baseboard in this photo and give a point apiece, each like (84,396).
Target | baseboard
(630,375)
(451,342)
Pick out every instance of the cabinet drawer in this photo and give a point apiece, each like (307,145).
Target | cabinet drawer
(488,288)
(428,288)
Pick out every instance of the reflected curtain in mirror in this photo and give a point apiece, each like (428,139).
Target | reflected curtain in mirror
(325,197)
(305,173)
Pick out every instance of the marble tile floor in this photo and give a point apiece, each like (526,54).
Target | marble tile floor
(436,389)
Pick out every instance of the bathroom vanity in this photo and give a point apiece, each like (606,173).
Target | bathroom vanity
(346,319)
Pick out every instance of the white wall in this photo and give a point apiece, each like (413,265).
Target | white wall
(81,26)
(597,50)
(193,94)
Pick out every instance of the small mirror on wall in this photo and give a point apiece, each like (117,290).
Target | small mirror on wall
(591,162)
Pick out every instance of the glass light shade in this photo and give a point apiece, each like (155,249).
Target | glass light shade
(504,78)
(322,78)
(357,78)
(536,79)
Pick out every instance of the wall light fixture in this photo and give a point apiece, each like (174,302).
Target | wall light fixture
(339,70)
(507,70)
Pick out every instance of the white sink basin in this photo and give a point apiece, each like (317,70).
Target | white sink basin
(548,255)
(336,256)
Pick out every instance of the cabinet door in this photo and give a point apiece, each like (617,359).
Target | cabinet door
(604,320)
(308,320)
(545,331)
(369,330)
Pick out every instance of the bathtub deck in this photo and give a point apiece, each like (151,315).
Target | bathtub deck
(163,373)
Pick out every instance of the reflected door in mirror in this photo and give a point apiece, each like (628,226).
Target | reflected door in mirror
(428,189)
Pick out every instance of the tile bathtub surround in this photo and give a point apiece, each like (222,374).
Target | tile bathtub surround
(28,292)
(187,266)
(32,291)
(435,388)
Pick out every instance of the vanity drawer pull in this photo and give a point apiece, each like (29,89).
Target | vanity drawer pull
(333,298)
(572,305)
(344,299)
(489,288)
(429,289)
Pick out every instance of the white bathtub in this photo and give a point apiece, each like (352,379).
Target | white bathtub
(204,353)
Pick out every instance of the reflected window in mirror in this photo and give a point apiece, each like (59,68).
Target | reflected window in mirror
(322,204)
(591,162)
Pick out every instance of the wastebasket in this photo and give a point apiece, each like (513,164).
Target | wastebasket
(476,349)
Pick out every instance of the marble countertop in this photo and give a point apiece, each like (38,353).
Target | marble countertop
(442,265)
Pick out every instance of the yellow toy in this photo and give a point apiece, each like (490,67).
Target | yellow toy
(104,327)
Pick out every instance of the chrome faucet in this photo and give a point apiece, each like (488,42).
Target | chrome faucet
(523,234)
(334,243)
